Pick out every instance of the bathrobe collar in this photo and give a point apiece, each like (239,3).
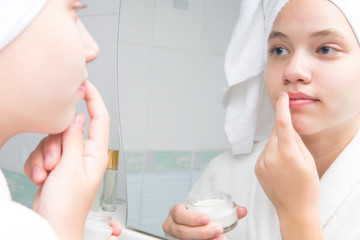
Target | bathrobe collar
(340,180)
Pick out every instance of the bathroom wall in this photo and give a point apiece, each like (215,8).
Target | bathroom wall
(171,56)
(171,76)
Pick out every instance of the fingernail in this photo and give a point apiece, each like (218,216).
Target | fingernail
(282,94)
(78,121)
(221,238)
(217,231)
(82,88)
(38,174)
(48,160)
(204,220)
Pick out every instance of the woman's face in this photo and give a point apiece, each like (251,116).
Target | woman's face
(43,69)
(315,57)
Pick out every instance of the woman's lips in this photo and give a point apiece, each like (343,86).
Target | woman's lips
(299,100)
(82,89)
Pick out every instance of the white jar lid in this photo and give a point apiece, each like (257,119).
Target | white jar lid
(217,205)
(97,226)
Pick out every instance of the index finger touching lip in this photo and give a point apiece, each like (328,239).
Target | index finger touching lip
(99,116)
(284,128)
(94,101)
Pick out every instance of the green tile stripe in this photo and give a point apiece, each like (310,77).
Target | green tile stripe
(21,188)
(161,161)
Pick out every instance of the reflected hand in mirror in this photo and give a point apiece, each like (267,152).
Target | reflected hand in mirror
(184,224)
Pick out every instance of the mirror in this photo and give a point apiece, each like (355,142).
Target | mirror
(171,77)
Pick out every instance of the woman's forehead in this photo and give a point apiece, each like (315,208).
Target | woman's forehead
(308,10)
(320,17)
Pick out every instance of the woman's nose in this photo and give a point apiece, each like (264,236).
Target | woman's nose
(91,48)
(297,70)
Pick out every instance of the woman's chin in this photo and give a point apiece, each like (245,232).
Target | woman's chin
(60,126)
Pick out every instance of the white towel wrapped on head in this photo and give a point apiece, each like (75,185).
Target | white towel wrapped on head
(15,16)
(249,116)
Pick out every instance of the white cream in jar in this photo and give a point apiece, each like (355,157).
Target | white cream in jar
(219,207)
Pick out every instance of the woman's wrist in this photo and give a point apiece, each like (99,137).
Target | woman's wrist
(302,225)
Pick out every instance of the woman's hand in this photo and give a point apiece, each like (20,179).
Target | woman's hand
(287,173)
(117,229)
(69,169)
(184,224)
(44,159)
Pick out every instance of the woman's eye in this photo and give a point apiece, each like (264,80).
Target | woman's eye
(78,5)
(326,50)
(278,51)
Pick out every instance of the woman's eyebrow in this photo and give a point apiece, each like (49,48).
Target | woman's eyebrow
(322,33)
(327,33)
(276,34)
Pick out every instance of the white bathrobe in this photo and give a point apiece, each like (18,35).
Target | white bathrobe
(340,194)
(20,222)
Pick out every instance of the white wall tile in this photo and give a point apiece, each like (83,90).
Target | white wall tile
(134,73)
(219,21)
(136,21)
(210,112)
(17,149)
(172,99)
(102,71)
(100,7)
(175,28)
(174,113)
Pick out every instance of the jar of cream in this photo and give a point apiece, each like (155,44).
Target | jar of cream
(219,207)
(97,226)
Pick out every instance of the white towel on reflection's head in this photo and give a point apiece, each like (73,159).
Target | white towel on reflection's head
(15,16)
(249,116)
(350,9)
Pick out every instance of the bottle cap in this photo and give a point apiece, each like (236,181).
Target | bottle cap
(113,159)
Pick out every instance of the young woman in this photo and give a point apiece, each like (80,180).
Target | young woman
(306,179)
(44,49)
